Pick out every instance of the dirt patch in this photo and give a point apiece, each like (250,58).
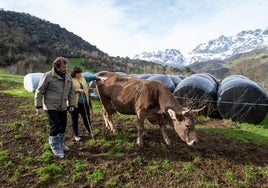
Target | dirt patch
(216,160)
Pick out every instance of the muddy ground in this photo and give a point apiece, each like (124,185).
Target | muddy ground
(216,161)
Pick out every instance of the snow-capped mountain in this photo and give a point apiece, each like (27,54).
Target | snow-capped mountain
(224,47)
(169,57)
(216,49)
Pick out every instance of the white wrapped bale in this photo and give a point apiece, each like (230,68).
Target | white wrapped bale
(31,81)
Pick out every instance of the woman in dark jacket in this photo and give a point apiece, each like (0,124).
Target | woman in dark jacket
(82,100)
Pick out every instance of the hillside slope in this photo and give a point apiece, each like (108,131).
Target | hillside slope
(26,39)
(29,44)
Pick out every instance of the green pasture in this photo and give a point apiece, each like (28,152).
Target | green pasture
(94,161)
(242,131)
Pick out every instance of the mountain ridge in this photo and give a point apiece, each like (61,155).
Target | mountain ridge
(166,57)
(216,49)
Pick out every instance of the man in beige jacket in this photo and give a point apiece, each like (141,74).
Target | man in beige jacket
(54,92)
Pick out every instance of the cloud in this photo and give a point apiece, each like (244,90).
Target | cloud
(126,28)
(227,18)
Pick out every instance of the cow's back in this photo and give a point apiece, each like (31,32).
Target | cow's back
(127,94)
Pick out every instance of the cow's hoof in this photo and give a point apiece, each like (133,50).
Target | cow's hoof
(167,141)
(140,145)
(139,142)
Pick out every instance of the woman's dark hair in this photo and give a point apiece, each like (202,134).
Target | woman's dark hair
(59,61)
(75,70)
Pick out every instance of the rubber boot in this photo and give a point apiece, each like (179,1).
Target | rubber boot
(55,146)
(63,146)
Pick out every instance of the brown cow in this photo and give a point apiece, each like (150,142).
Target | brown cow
(147,100)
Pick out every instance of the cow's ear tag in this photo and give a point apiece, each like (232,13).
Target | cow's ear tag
(172,114)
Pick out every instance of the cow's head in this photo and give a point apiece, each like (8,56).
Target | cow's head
(184,125)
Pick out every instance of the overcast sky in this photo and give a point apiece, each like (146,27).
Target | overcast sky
(128,27)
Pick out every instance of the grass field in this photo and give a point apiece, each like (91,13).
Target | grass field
(228,154)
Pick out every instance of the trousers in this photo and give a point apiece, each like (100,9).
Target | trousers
(57,122)
(83,110)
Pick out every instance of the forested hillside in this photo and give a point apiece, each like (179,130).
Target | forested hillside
(26,39)
(29,44)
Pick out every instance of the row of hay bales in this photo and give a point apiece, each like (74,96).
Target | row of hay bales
(235,97)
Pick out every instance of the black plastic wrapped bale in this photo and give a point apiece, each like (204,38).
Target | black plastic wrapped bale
(165,80)
(31,81)
(242,100)
(175,79)
(145,76)
(121,73)
(198,91)
(182,77)
(210,77)
(135,75)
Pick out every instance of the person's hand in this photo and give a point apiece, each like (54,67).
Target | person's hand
(71,109)
(39,110)
(80,91)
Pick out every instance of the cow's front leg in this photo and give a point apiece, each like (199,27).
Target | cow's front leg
(164,134)
(140,129)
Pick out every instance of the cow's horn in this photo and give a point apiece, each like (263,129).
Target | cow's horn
(185,111)
(188,110)
(198,110)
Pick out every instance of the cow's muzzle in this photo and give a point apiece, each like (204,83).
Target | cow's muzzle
(191,143)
